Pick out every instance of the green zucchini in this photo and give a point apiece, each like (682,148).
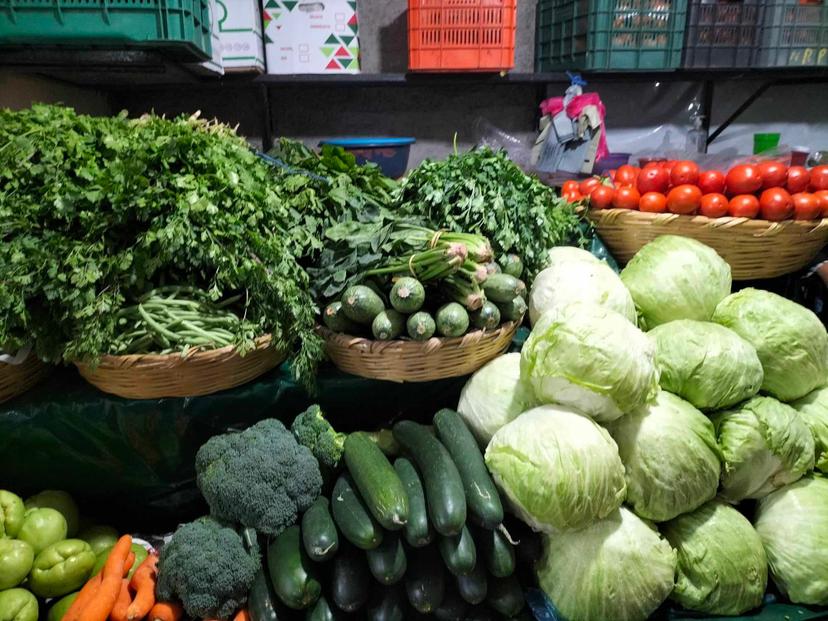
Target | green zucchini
(512,265)
(384,439)
(473,587)
(512,310)
(487,317)
(388,325)
(387,562)
(291,571)
(458,552)
(418,532)
(496,550)
(386,605)
(335,319)
(321,611)
(376,480)
(350,580)
(445,498)
(482,497)
(452,320)
(261,600)
(352,517)
(420,326)
(452,608)
(361,304)
(425,581)
(502,288)
(319,531)
(505,596)
(407,295)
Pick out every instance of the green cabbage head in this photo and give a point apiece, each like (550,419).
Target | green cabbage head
(676,277)
(722,567)
(705,363)
(494,396)
(765,445)
(591,359)
(577,276)
(670,456)
(617,569)
(790,340)
(813,409)
(559,469)
(793,525)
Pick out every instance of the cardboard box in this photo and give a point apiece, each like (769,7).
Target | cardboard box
(214,65)
(240,34)
(311,36)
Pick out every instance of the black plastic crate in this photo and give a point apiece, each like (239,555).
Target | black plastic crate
(795,34)
(722,33)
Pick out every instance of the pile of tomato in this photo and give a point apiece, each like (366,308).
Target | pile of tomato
(769,190)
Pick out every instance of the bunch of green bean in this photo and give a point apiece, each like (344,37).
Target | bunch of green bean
(177,319)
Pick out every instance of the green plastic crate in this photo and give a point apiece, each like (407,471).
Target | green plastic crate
(609,34)
(179,28)
(795,34)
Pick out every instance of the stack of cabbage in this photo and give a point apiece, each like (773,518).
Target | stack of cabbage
(642,410)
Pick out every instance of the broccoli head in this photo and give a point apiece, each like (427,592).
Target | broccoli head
(314,431)
(206,566)
(261,478)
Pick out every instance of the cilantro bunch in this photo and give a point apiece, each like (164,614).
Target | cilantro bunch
(96,211)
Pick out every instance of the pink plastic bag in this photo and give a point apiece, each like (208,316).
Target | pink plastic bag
(554,105)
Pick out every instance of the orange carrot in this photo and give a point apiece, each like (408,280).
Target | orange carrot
(166,611)
(101,606)
(242,615)
(143,583)
(86,595)
(119,610)
(130,561)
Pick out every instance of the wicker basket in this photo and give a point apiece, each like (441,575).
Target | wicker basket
(753,248)
(15,379)
(417,361)
(152,376)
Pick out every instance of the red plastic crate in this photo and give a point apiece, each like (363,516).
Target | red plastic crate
(461,35)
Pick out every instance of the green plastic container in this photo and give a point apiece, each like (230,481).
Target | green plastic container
(179,28)
(609,34)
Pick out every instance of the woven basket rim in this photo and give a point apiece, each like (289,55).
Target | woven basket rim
(409,346)
(752,226)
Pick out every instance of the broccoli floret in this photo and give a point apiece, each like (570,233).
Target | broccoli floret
(261,477)
(314,431)
(206,566)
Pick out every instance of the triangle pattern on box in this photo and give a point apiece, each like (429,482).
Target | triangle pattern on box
(289,4)
(271,4)
(332,65)
(346,39)
(267,39)
(327,50)
(354,51)
(342,52)
(352,4)
(346,62)
(353,21)
(332,40)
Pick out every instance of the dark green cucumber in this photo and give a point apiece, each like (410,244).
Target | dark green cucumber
(445,498)
(482,497)
(502,287)
(425,581)
(336,320)
(512,310)
(386,605)
(418,532)
(361,304)
(319,531)
(387,562)
(420,326)
(376,480)
(291,570)
(350,580)
(452,320)
(384,439)
(261,600)
(352,517)
(512,265)
(496,550)
(388,325)
(452,608)
(505,596)
(487,317)
(473,587)
(407,295)
(322,611)
(459,552)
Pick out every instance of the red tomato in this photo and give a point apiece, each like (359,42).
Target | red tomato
(684,199)
(711,182)
(806,206)
(743,206)
(626,198)
(776,204)
(684,172)
(653,179)
(713,205)
(667,164)
(626,175)
(572,197)
(819,178)
(570,185)
(743,179)
(601,197)
(653,202)
(774,174)
(588,185)
(798,179)
(822,197)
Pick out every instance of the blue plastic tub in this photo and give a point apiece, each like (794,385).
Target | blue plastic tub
(390,154)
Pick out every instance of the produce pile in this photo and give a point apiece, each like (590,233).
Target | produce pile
(644,415)
(769,190)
